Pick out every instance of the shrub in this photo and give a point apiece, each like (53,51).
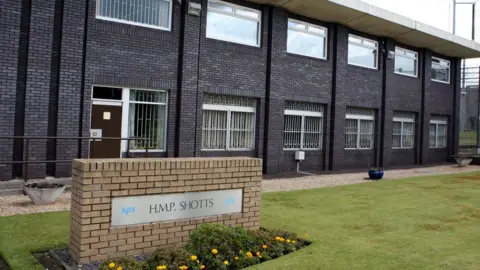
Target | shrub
(214,246)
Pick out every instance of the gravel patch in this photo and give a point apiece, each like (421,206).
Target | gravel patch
(319,181)
(19,204)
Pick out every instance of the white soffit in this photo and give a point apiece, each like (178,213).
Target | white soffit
(370,19)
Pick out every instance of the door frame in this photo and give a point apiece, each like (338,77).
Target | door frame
(125,104)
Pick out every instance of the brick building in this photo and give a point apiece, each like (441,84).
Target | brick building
(351,85)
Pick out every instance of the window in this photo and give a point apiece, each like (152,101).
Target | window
(306,39)
(303,126)
(406,62)
(438,132)
(359,126)
(147,119)
(228,123)
(149,13)
(440,70)
(233,23)
(403,130)
(362,52)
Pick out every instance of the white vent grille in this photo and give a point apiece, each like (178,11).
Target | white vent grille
(229,100)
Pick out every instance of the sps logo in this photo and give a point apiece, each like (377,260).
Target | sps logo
(128,210)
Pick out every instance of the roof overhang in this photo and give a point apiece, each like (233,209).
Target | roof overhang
(370,19)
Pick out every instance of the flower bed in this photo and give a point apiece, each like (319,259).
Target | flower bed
(214,246)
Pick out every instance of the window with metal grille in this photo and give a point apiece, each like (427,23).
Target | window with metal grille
(303,126)
(228,123)
(440,70)
(147,119)
(359,127)
(362,52)
(438,132)
(406,62)
(403,130)
(307,39)
(148,13)
(234,23)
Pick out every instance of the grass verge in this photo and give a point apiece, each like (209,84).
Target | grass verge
(416,223)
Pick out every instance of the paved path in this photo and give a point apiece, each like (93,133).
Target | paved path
(18,204)
(318,181)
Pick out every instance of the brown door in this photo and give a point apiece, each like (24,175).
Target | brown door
(108,120)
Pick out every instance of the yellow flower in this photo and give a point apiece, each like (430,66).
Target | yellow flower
(278,238)
(183,267)
(214,251)
(282,239)
(225,262)
(241,251)
(264,246)
(293,241)
(161,267)
(198,261)
(249,255)
(202,267)
(111,265)
(258,253)
(194,258)
(236,257)
(288,241)
(119,268)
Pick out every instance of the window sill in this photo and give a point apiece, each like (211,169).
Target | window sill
(149,151)
(359,149)
(227,150)
(299,149)
(363,67)
(406,75)
(133,23)
(438,81)
(304,56)
(402,148)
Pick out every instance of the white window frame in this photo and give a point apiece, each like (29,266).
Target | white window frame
(304,114)
(437,123)
(229,109)
(233,14)
(404,55)
(449,69)
(362,44)
(169,28)
(403,120)
(359,118)
(306,31)
(125,104)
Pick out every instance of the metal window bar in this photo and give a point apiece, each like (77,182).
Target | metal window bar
(141,12)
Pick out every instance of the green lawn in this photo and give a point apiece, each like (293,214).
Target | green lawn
(417,223)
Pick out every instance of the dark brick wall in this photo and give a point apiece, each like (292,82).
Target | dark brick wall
(295,78)
(70,82)
(403,94)
(38,80)
(355,87)
(228,68)
(189,65)
(10,11)
(124,55)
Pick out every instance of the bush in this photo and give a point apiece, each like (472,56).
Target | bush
(214,246)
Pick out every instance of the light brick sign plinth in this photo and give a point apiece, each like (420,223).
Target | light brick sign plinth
(123,207)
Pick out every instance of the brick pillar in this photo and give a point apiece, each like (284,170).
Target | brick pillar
(38,81)
(10,34)
(70,83)
(188,93)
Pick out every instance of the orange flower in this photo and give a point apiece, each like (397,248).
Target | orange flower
(249,255)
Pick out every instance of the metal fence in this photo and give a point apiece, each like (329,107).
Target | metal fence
(469,110)
(27,142)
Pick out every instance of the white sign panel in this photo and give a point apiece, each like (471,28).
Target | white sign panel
(164,207)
